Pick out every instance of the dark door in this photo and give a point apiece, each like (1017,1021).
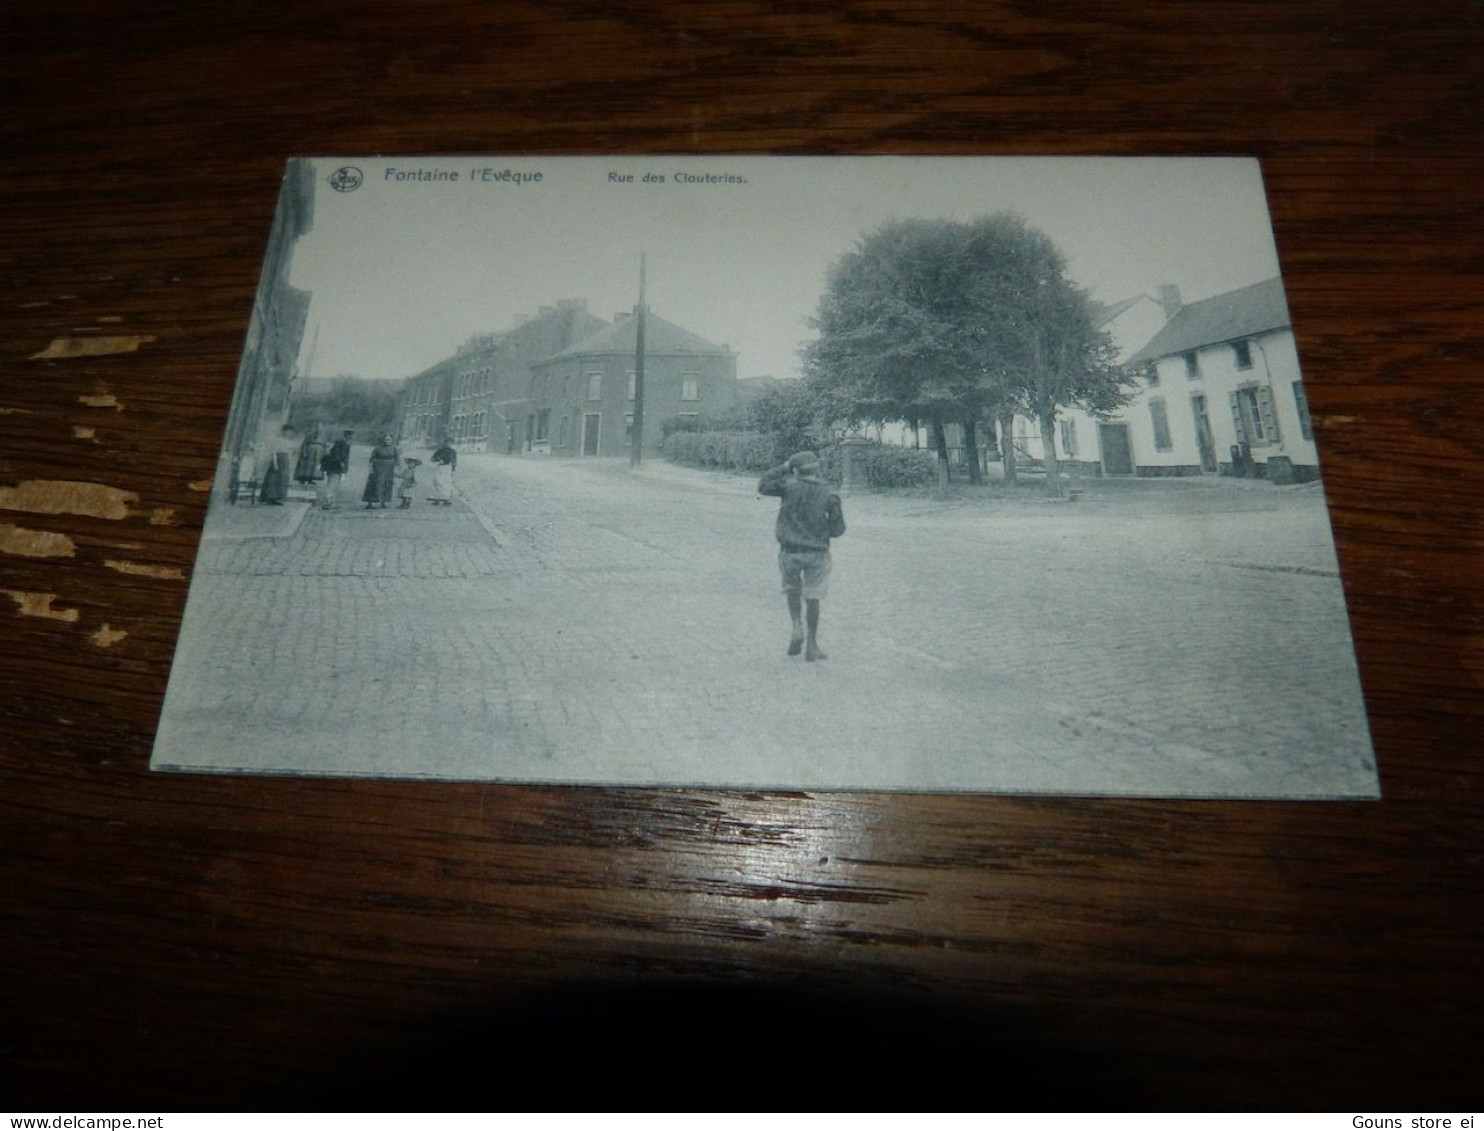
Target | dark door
(1118,453)
(1203,437)
(590,424)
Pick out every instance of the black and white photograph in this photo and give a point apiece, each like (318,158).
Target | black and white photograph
(821,473)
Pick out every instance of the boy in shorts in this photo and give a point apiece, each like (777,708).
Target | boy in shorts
(809,517)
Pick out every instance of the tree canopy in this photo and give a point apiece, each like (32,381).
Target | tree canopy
(958,321)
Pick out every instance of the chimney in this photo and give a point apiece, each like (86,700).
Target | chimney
(1169,298)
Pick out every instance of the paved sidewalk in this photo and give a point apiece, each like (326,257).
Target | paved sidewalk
(578,621)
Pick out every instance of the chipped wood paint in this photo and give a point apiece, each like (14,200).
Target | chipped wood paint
(93,347)
(39,605)
(163,516)
(140,569)
(103,400)
(199,485)
(107,637)
(65,496)
(35,543)
(82,432)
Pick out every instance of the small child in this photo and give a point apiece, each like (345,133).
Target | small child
(408,480)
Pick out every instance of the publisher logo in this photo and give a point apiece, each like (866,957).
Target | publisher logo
(347,178)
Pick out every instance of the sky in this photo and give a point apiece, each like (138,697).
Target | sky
(410,263)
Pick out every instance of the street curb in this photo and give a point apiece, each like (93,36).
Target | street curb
(234,536)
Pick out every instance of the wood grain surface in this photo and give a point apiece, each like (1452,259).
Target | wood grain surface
(183,942)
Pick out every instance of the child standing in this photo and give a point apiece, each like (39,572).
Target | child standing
(808,518)
(408,481)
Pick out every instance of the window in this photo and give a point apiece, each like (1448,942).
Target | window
(1252,416)
(1151,374)
(690,387)
(1301,402)
(562,433)
(1068,437)
(594,386)
(1242,351)
(628,425)
(1192,366)
(543,423)
(1160,418)
(633,378)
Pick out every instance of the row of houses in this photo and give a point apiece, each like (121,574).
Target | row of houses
(1219,392)
(564,383)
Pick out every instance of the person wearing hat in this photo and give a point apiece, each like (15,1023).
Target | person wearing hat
(335,464)
(808,518)
(408,479)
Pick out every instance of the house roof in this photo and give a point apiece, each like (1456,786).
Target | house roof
(660,337)
(1221,318)
(1102,313)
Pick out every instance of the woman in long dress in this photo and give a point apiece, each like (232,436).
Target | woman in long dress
(445,459)
(379,484)
(307,470)
(278,466)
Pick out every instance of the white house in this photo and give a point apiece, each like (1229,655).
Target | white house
(1220,393)
(1101,446)
(1223,392)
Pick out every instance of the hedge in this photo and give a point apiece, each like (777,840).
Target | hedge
(885,465)
(732,451)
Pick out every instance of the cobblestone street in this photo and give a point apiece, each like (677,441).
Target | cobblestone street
(576,621)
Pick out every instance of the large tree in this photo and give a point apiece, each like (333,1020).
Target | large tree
(899,338)
(1047,331)
(954,322)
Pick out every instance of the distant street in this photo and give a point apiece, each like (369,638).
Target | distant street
(576,621)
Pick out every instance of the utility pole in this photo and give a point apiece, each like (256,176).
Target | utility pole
(636,453)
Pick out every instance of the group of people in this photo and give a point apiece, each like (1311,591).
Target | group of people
(391,471)
(809,515)
(323,466)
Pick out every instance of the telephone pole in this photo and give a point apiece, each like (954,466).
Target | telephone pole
(636,452)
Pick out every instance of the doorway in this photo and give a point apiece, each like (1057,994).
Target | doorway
(1118,451)
(1203,438)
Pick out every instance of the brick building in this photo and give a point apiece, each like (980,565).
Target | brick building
(479,395)
(582,398)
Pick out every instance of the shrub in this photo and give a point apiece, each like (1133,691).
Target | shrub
(884,465)
(731,451)
(682,424)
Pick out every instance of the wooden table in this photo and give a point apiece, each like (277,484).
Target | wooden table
(191,942)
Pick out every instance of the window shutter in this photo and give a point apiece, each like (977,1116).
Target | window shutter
(1241,432)
(1269,417)
(1301,402)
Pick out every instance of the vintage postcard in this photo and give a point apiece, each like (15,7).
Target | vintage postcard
(934,474)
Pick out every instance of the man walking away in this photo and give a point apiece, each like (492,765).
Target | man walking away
(808,518)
